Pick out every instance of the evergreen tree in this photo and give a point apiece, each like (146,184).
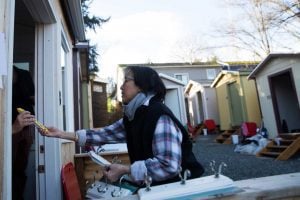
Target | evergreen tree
(92,22)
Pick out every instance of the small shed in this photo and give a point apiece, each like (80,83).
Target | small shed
(174,97)
(99,102)
(277,79)
(237,99)
(202,102)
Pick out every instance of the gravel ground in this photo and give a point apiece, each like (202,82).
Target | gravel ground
(240,166)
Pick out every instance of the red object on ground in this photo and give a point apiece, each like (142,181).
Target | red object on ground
(249,129)
(70,182)
(210,125)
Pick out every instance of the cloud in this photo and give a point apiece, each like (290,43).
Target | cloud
(137,38)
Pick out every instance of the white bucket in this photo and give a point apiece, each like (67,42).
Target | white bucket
(235,139)
(277,141)
(205,131)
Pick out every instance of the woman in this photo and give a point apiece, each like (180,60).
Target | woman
(158,145)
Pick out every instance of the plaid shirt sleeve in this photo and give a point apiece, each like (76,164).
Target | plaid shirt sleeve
(114,133)
(166,147)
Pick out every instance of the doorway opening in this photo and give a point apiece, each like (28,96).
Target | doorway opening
(200,104)
(285,101)
(23,143)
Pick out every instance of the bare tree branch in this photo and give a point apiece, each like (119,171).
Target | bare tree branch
(263,23)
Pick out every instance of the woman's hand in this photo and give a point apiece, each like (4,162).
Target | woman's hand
(51,132)
(55,132)
(23,119)
(115,171)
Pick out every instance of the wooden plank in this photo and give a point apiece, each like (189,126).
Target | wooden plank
(79,165)
(2,138)
(287,148)
(265,150)
(290,151)
(286,186)
(225,136)
(283,187)
(67,152)
(87,170)
(270,153)
(289,135)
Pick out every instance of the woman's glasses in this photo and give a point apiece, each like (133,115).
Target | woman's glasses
(126,79)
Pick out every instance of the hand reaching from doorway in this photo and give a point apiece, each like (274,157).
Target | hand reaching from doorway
(51,132)
(57,133)
(23,119)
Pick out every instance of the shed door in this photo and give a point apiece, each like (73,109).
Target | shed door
(200,103)
(235,105)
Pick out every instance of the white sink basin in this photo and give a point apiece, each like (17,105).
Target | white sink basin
(204,187)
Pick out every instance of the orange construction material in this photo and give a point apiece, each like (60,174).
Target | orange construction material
(70,182)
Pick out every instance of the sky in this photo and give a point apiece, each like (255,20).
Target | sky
(143,31)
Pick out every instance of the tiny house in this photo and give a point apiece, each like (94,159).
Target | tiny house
(47,38)
(236,98)
(174,97)
(277,80)
(201,102)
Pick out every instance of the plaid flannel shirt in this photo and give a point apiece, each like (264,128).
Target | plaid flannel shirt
(166,146)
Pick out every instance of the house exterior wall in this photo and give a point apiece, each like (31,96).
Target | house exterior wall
(6,31)
(51,28)
(295,64)
(196,73)
(86,104)
(272,67)
(61,29)
(252,105)
(99,104)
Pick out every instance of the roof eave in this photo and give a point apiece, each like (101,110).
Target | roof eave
(161,75)
(74,14)
(253,74)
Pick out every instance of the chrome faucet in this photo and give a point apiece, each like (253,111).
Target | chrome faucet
(217,173)
(148,182)
(186,175)
(118,192)
(220,168)
(103,188)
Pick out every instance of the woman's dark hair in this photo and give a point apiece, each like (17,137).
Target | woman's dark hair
(148,80)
